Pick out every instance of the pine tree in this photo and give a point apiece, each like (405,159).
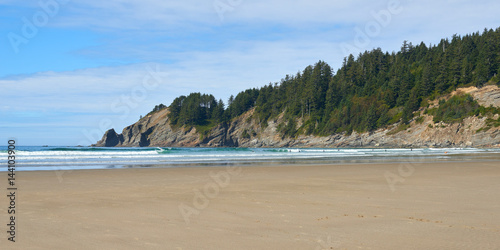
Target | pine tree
(366,93)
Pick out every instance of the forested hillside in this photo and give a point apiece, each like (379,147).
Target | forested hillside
(368,92)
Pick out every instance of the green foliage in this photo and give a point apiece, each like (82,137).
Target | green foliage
(157,108)
(419,120)
(490,123)
(366,91)
(195,110)
(370,91)
(488,111)
(495,79)
(243,102)
(291,128)
(483,129)
(455,109)
(395,118)
(245,134)
(493,123)
(205,129)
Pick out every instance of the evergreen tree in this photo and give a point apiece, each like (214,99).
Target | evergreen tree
(367,92)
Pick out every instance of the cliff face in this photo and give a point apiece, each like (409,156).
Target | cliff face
(152,130)
(246,131)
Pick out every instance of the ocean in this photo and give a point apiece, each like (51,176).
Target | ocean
(34,158)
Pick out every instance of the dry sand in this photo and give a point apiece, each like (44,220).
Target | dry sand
(438,206)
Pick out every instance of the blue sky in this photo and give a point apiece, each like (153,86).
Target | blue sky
(71,69)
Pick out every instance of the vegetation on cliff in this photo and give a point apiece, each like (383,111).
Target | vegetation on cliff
(455,109)
(370,91)
(459,107)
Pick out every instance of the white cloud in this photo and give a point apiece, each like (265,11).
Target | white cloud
(224,72)
(143,29)
(158,14)
(84,98)
(81,91)
(130,15)
(305,32)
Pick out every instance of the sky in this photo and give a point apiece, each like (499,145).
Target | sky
(72,69)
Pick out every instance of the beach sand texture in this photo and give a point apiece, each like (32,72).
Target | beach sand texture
(428,206)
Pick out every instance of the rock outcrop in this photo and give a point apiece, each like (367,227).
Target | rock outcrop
(246,131)
(486,96)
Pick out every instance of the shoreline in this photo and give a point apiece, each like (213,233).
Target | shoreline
(56,158)
(382,206)
(351,160)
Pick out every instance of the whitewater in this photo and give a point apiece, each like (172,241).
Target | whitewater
(33,158)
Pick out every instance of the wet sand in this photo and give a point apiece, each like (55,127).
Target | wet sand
(358,206)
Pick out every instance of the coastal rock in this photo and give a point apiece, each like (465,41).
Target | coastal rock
(110,139)
(486,96)
(151,130)
(247,131)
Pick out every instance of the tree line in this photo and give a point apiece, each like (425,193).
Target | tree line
(368,92)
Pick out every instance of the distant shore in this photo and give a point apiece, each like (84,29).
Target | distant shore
(440,205)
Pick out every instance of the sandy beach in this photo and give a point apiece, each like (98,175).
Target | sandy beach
(365,206)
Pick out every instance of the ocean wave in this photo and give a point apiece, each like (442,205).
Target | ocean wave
(215,150)
(101,149)
(72,156)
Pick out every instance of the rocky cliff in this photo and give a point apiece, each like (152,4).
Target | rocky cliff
(246,131)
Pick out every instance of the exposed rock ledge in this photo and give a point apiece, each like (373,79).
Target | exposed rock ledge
(155,130)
